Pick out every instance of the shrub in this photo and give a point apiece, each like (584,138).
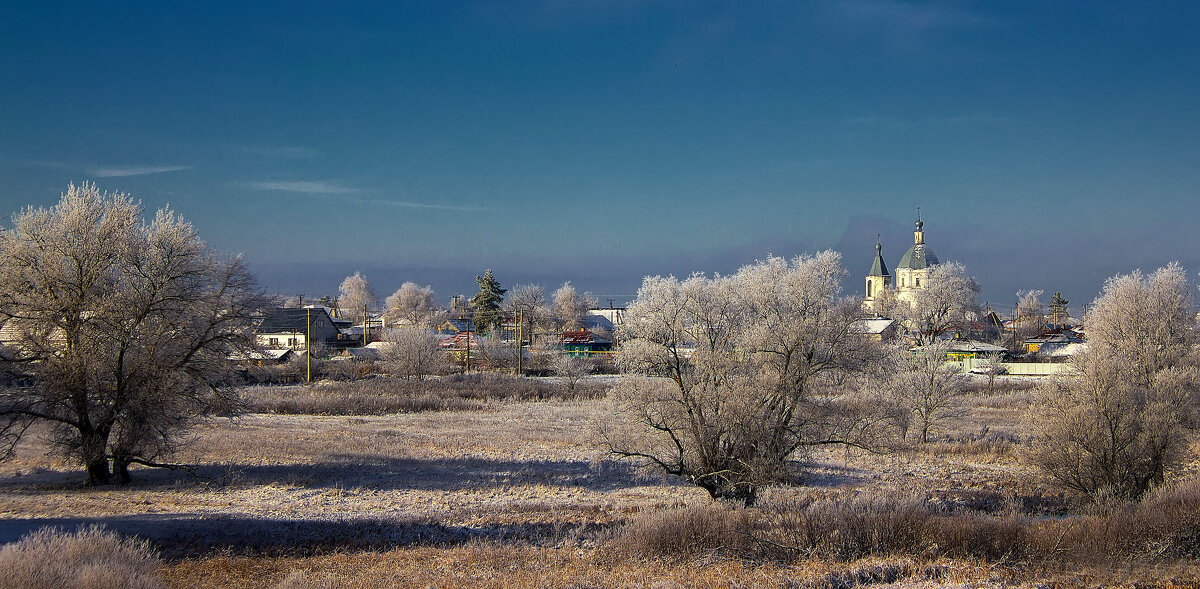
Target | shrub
(851,528)
(688,532)
(412,353)
(380,396)
(89,558)
(1165,524)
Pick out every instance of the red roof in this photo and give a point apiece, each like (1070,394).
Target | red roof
(458,341)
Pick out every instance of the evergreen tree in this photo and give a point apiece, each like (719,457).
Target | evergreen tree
(486,303)
(1058,310)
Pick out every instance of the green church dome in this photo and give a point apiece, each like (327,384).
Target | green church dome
(919,256)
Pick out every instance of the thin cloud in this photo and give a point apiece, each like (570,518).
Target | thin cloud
(346,194)
(284,151)
(303,187)
(407,204)
(134,171)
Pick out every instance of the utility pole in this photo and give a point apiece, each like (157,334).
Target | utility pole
(308,346)
(468,367)
(520,339)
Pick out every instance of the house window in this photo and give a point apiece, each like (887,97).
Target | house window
(918,282)
(868,289)
(274,341)
(291,342)
(320,323)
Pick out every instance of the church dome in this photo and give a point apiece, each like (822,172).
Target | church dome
(918,256)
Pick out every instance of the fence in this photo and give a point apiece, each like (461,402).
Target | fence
(1017,368)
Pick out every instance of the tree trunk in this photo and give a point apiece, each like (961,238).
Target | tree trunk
(97,469)
(745,493)
(93,447)
(121,470)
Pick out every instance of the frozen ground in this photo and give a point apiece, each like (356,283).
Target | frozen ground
(267,480)
(525,471)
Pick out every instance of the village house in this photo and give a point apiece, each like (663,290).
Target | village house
(880,329)
(291,328)
(584,343)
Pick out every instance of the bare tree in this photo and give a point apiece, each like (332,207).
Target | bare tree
(493,354)
(356,297)
(948,300)
(527,303)
(1030,315)
(1118,422)
(412,353)
(993,367)
(412,305)
(739,374)
(928,387)
(571,368)
(568,307)
(542,355)
(121,329)
(885,304)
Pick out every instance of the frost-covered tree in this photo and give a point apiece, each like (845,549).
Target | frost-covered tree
(412,353)
(734,376)
(412,305)
(928,388)
(571,368)
(119,329)
(1118,422)
(486,303)
(355,297)
(885,303)
(1030,315)
(569,307)
(527,303)
(993,367)
(948,300)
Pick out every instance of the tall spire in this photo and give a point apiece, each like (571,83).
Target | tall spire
(919,234)
(878,267)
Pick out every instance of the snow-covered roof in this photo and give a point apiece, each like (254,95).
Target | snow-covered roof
(875,326)
(974,346)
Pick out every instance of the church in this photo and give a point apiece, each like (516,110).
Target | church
(912,273)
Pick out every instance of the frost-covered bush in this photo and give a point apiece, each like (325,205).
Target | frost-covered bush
(89,558)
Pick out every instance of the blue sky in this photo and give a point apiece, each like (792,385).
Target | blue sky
(1049,144)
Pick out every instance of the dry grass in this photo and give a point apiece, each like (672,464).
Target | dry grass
(1164,527)
(501,565)
(495,565)
(89,558)
(384,395)
(299,484)
(517,493)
